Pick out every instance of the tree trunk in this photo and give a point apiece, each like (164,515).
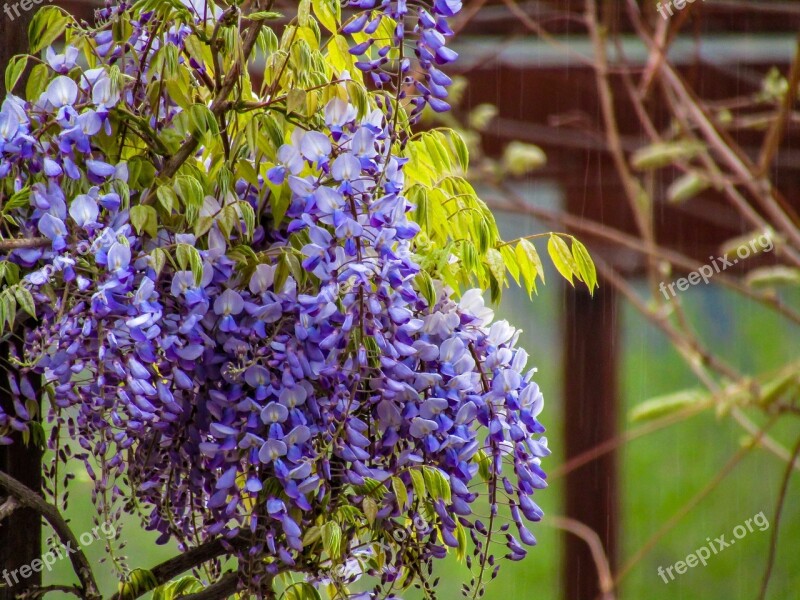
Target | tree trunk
(21,532)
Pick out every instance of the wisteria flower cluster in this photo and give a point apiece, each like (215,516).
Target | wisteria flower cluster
(235,327)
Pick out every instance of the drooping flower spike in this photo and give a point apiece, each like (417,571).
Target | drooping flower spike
(260,400)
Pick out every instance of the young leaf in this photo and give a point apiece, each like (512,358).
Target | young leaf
(25,300)
(400,492)
(562,258)
(144,218)
(14,70)
(329,13)
(46,27)
(418,482)
(301,591)
(586,268)
(332,539)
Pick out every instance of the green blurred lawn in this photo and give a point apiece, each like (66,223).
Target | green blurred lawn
(660,472)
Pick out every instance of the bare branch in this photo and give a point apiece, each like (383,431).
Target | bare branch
(588,535)
(773,544)
(22,243)
(8,507)
(28,498)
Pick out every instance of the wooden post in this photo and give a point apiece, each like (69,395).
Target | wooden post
(21,532)
(590,417)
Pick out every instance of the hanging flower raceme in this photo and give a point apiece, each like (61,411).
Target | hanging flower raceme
(264,367)
(388,61)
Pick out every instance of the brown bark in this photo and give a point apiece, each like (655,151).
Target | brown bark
(21,531)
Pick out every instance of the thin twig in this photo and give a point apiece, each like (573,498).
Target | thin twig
(589,535)
(775,134)
(773,543)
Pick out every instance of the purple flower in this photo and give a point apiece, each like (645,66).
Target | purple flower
(272,450)
(54,229)
(61,63)
(315,147)
(119,257)
(62,91)
(84,210)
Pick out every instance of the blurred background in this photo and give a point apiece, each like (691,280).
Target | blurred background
(662,135)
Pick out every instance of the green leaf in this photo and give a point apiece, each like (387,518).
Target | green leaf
(497,267)
(586,268)
(400,492)
(773,276)
(530,264)
(191,194)
(687,187)
(418,483)
(329,13)
(281,273)
(202,120)
(14,70)
(46,27)
(304,13)
(332,539)
(138,582)
(370,509)
(484,462)
(426,287)
(248,216)
(158,258)
(669,404)
(510,262)
(460,149)
(37,82)
(664,154)
(461,538)
(520,159)
(189,258)
(167,198)
(301,591)
(437,484)
(25,300)
(562,257)
(296,102)
(175,589)
(19,199)
(144,218)
(265,15)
